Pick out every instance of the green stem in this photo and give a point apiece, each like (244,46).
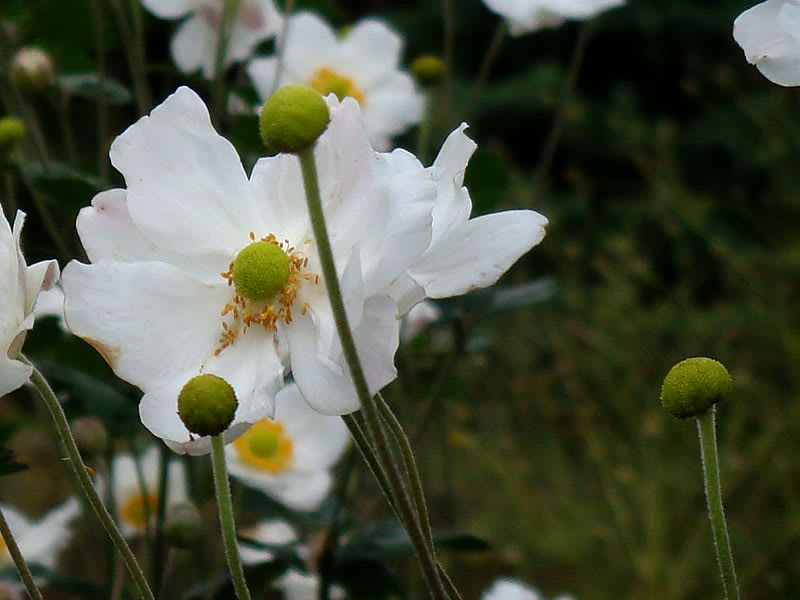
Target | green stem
(78,466)
(706,431)
(374,429)
(489,58)
(161,509)
(229,8)
(281,44)
(222,488)
(19,561)
(134,53)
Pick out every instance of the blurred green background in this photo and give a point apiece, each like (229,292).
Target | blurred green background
(673,195)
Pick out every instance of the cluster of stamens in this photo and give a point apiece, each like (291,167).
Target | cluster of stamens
(241,314)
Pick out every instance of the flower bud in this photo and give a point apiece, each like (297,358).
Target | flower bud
(694,385)
(90,435)
(428,70)
(207,404)
(293,118)
(183,525)
(12,130)
(32,69)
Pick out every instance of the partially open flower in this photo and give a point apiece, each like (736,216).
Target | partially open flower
(529,15)
(39,541)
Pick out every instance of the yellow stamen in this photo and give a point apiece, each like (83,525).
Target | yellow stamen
(133,510)
(327,81)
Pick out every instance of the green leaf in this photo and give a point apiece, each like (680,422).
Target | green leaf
(91,87)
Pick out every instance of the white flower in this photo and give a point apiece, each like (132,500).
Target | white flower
(194,45)
(418,318)
(511,589)
(39,541)
(298,586)
(290,456)
(19,288)
(769,34)
(362,63)
(132,505)
(529,15)
(273,533)
(157,301)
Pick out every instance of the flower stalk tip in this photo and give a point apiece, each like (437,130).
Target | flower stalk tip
(693,386)
(207,404)
(293,118)
(428,70)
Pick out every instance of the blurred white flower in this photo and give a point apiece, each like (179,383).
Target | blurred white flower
(418,318)
(273,533)
(194,45)
(299,586)
(19,287)
(290,457)
(529,15)
(157,300)
(511,589)
(362,63)
(40,541)
(133,505)
(769,34)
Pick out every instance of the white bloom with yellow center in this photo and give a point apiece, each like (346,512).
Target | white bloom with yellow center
(134,504)
(19,287)
(511,589)
(529,15)
(197,268)
(769,34)
(194,45)
(272,533)
(362,63)
(290,456)
(39,541)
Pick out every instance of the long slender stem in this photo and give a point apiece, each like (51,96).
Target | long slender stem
(486,67)
(78,466)
(229,8)
(134,53)
(102,101)
(425,554)
(707,433)
(280,44)
(225,505)
(19,561)
(161,509)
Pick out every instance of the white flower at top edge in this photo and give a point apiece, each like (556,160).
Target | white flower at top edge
(511,589)
(362,63)
(194,45)
(132,505)
(157,300)
(39,541)
(273,533)
(300,586)
(769,34)
(19,287)
(289,457)
(530,15)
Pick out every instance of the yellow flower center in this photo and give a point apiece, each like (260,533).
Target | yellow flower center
(265,446)
(134,510)
(326,81)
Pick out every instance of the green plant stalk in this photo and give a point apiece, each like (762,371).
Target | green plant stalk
(19,561)
(222,488)
(161,509)
(229,8)
(425,554)
(281,44)
(489,58)
(78,466)
(706,431)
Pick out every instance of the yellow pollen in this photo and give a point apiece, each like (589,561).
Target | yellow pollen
(134,513)
(265,446)
(327,81)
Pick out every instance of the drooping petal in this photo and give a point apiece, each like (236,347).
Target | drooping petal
(769,34)
(476,253)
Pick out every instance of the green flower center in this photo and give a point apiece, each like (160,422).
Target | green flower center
(260,270)
(264,444)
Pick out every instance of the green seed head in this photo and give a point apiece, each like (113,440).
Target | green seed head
(260,270)
(293,118)
(263,444)
(12,130)
(207,404)
(183,525)
(428,69)
(694,385)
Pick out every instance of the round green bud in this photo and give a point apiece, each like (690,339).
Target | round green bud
(90,435)
(183,525)
(693,386)
(32,69)
(428,69)
(207,404)
(260,270)
(12,130)
(293,118)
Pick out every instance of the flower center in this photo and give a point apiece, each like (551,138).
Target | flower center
(260,270)
(265,446)
(327,81)
(135,510)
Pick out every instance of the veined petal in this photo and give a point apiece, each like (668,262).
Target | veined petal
(476,253)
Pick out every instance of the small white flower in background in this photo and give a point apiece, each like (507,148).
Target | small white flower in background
(289,458)
(19,287)
(769,34)
(273,533)
(40,541)
(363,64)
(511,589)
(418,318)
(133,506)
(530,15)
(299,586)
(194,45)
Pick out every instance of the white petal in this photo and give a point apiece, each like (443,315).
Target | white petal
(171,9)
(453,204)
(373,50)
(262,74)
(768,33)
(13,374)
(309,40)
(476,253)
(254,23)
(42,542)
(510,589)
(194,46)
(39,276)
(391,108)
(274,532)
